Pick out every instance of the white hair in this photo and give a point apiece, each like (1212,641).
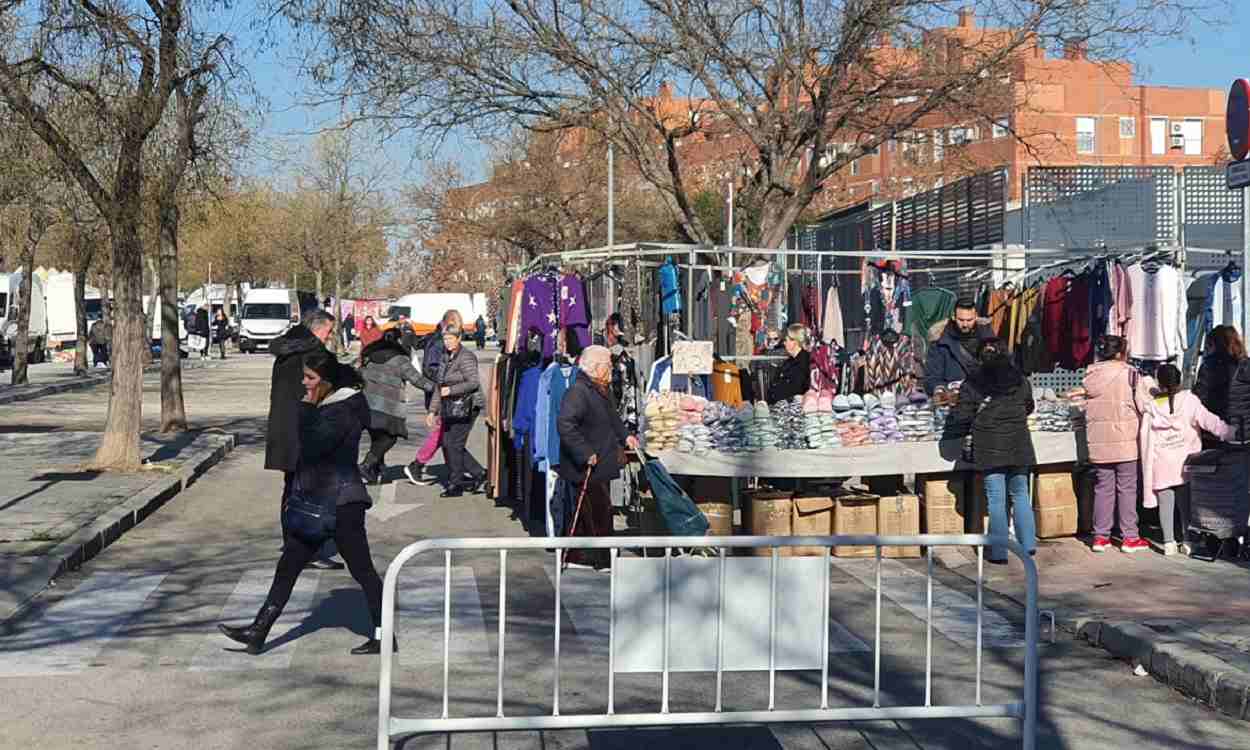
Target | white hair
(595,355)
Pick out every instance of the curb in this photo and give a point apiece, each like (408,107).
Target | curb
(90,540)
(1174,662)
(31,392)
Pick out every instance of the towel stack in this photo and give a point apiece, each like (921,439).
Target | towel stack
(761,430)
(694,438)
(663,416)
(725,426)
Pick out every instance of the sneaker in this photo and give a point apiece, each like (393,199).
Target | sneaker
(1137,544)
(416,474)
(1101,544)
(1170,548)
(1184,549)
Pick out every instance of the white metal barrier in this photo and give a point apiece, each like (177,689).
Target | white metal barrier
(392,727)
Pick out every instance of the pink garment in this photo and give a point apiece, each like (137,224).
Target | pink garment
(1122,301)
(1112,410)
(1168,438)
(427,450)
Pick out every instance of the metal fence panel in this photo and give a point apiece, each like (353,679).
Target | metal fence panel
(779,580)
(1211,215)
(1100,206)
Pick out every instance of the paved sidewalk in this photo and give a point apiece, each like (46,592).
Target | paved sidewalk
(50,378)
(54,516)
(1185,621)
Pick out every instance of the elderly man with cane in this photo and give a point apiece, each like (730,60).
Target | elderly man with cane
(591,440)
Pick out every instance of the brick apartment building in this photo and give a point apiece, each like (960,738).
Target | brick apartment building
(1065,110)
(1068,110)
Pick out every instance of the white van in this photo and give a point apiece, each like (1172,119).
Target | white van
(155,325)
(10,287)
(425,311)
(267,314)
(62,316)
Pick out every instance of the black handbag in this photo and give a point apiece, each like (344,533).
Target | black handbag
(307,517)
(457,408)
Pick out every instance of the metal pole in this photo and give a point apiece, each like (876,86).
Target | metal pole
(1245,259)
(729,230)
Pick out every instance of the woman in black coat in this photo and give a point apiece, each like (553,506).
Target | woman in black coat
(994,406)
(794,377)
(333,414)
(221,331)
(1224,352)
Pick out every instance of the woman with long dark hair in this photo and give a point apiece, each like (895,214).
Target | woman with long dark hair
(1223,353)
(995,402)
(332,416)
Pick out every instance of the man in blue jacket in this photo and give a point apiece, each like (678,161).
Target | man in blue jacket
(953,357)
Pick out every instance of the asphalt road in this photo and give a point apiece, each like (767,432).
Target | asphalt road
(124,653)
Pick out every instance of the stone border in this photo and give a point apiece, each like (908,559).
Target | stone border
(107,528)
(15,394)
(1193,672)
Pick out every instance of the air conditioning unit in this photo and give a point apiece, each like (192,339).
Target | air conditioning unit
(1178,129)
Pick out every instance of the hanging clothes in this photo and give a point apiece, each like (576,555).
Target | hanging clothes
(1157,329)
(1225,300)
(552,384)
(1101,300)
(1066,321)
(998,307)
(929,306)
(513,337)
(625,386)
(890,366)
(831,328)
(573,310)
(661,378)
(525,408)
(670,288)
(539,311)
(826,375)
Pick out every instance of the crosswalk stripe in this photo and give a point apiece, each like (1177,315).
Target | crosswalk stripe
(419,617)
(584,597)
(954,613)
(217,653)
(71,632)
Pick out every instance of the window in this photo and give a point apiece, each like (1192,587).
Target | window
(906,99)
(1086,140)
(1128,127)
(1158,135)
(855,167)
(938,151)
(960,136)
(1193,137)
(891,145)
(1001,128)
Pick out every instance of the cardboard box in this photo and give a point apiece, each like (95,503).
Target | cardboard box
(855,514)
(899,516)
(1053,488)
(771,516)
(1056,522)
(944,498)
(720,518)
(813,516)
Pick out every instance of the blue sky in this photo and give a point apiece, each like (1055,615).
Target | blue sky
(1211,59)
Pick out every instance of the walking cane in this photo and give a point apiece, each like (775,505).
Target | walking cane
(578,512)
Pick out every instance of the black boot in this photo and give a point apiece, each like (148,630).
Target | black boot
(373,647)
(369,471)
(253,636)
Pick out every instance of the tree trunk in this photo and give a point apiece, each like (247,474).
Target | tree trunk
(320,299)
(119,448)
(83,261)
(173,407)
(21,347)
(149,313)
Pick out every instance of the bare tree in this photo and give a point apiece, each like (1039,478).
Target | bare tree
(796,90)
(138,44)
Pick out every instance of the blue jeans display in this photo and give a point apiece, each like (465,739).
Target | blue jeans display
(998,483)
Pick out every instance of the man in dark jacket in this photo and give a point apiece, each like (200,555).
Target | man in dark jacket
(286,390)
(954,356)
(591,437)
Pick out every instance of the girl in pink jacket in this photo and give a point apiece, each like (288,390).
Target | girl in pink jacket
(1114,395)
(1169,435)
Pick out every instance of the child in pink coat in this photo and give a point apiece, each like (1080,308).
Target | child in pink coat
(1170,434)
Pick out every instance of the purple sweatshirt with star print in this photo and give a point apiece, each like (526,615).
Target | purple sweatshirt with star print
(538,313)
(573,307)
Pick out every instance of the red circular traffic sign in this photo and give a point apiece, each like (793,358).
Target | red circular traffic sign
(1237,119)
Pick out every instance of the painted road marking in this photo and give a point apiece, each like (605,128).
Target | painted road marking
(217,653)
(954,613)
(419,617)
(69,635)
